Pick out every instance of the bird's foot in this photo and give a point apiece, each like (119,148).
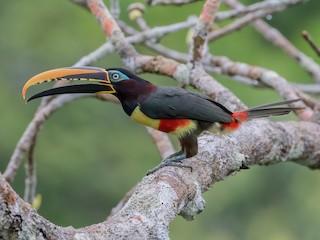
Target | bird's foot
(173,160)
(176,157)
(165,164)
(244,166)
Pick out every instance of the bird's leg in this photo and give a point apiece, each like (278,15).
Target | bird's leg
(166,164)
(176,157)
(189,148)
(173,160)
(244,166)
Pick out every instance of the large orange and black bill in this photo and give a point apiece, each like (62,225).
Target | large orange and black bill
(98,76)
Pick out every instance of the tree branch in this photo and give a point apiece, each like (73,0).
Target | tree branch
(26,142)
(278,39)
(169,2)
(158,198)
(251,16)
(309,39)
(147,210)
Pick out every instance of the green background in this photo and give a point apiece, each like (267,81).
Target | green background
(89,153)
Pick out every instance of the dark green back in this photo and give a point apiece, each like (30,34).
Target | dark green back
(177,103)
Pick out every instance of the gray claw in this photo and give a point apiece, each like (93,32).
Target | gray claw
(166,164)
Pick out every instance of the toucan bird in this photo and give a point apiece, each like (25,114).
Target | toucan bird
(168,109)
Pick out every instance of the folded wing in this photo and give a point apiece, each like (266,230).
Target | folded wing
(177,103)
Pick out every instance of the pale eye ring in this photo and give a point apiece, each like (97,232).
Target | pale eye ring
(115,76)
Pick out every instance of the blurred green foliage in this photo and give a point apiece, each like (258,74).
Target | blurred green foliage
(89,154)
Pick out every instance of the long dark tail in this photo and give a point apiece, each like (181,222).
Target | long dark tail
(260,111)
(269,109)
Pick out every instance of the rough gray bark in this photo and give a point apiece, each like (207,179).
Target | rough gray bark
(160,197)
(147,210)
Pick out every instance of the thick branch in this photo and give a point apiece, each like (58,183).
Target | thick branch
(112,31)
(172,191)
(153,204)
(209,10)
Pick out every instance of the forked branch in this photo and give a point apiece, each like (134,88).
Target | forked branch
(147,210)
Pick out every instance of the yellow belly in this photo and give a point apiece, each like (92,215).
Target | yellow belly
(140,117)
(178,127)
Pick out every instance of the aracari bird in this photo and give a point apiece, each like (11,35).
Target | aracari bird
(167,109)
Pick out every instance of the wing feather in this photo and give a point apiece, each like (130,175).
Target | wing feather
(177,103)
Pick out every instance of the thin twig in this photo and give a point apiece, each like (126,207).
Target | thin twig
(115,8)
(311,42)
(311,102)
(82,3)
(308,88)
(169,2)
(251,16)
(278,39)
(266,76)
(263,5)
(26,141)
(31,174)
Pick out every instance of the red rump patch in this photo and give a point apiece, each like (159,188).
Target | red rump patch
(231,126)
(238,118)
(170,125)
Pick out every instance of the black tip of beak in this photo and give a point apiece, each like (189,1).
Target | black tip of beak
(82,88)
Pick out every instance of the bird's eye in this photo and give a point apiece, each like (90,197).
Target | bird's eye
(115,76)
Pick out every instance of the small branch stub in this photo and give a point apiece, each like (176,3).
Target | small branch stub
(135,10)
